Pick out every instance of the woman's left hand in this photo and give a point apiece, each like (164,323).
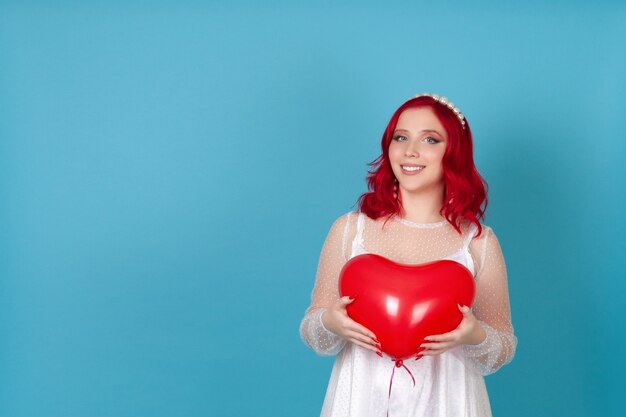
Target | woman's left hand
(468,332)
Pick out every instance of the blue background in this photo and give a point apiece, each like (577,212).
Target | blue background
(169,172)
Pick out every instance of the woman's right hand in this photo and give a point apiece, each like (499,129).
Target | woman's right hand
(336,319)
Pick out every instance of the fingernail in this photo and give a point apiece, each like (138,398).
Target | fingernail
(379,354)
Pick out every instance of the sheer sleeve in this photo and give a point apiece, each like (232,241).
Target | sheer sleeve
(326,290)
(491,307)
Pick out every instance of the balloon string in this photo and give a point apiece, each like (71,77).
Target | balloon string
(398,364)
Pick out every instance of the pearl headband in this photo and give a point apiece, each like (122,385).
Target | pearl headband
(446,103)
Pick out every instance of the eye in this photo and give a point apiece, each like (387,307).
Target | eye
(430,139)
(396,138)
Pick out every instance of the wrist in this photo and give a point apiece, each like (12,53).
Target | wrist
(479,335)
(322,318)
(324,323)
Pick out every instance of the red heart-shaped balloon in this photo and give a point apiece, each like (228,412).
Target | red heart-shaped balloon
(404,303)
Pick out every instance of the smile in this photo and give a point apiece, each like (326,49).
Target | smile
(412,169)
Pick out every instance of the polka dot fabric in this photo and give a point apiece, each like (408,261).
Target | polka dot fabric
(449,384)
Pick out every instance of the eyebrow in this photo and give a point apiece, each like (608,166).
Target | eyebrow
(424,130)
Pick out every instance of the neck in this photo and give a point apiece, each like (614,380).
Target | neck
(422,206)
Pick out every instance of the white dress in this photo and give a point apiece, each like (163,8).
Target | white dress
(450,384)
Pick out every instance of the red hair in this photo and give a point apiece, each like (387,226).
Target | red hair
(465,191)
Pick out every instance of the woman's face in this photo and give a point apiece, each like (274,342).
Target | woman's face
(419,140)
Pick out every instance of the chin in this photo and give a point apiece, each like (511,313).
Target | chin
(417,188)
(414,189)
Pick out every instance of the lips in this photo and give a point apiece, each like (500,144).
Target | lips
(410,169)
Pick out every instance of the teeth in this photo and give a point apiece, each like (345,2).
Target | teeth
(412,168)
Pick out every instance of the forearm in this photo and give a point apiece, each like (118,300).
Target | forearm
(478,335)
(495,351)
(317,337)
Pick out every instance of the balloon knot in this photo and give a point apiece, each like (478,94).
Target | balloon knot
(399,363)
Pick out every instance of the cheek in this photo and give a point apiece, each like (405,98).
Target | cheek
(434,155)
(394,153)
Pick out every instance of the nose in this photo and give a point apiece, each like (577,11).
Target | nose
(411,150)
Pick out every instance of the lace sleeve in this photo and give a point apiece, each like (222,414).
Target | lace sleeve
(492,308)
(326,291)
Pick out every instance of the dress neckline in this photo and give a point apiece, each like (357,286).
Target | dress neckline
(420,225)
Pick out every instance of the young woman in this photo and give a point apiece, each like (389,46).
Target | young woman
(425,203)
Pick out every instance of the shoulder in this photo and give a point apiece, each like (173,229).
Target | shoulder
(476,233)
(345,218)
(341,223)
(484,247)
(478,242)
(487,241)
(341,231)
(486,231)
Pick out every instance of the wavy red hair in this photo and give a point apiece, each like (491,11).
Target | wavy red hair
(465,192)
